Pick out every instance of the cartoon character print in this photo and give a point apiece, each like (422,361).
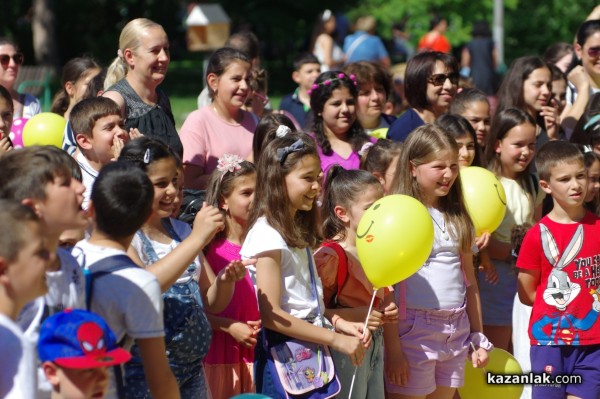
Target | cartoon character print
(91,338)
(560,292)
(309,374)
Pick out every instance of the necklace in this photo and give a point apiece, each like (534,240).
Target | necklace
(445,234)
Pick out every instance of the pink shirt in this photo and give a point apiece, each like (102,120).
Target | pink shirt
(206,137)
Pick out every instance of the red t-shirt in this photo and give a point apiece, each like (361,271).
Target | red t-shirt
(434,42)
(568,256)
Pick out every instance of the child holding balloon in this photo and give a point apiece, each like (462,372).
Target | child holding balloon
(443,313)
(346,289)
(509,150)
(282,223)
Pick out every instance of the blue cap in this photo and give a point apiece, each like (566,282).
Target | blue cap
(79,339)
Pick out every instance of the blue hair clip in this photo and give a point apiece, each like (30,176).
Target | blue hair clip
(282,153)
(592,121)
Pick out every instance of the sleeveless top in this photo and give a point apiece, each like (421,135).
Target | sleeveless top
(156,121)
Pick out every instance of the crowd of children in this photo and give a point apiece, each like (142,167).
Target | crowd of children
(105,292)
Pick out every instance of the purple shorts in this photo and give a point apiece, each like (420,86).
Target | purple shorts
(435,343)
(581,361)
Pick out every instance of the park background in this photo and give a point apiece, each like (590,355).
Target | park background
(50,32)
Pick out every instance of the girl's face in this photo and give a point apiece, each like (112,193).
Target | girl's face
(593,174)
(237,204)
(339,112)
(537,90)
(516,150)
(388,177)
(6,117)
(231,88)
(77,89)
(435,178)
(303,183)
(590,55)
(9,70)
(466,150)
(363,202)
(163,175)
(371,100)
(151,59)
(439,96)
(478,115)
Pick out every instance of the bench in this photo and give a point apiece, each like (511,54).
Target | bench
(36,80)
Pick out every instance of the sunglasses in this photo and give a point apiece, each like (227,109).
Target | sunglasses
(439,78)
(5,59)
(594,52)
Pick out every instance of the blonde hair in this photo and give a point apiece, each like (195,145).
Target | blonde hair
(129,39)
(423,146)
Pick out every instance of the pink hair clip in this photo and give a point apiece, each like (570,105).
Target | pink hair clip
(229,163)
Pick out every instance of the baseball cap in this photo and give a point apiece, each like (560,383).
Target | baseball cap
(77,339)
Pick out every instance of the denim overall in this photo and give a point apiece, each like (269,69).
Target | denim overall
(187,333)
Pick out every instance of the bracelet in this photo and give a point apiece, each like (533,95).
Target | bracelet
(334,321)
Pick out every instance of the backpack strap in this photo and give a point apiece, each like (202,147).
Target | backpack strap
(342,271)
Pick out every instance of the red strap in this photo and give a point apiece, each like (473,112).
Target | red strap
(342,272)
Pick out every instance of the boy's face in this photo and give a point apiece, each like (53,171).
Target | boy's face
(106,131)
(61,209)
(27,273)
(77,383)
(567,184)
(306,75)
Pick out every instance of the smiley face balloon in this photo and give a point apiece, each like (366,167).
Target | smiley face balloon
(393,239)
(484,198)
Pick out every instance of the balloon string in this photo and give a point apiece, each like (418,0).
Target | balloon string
(362,336)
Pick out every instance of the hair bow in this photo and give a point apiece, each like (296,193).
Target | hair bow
(229,163)
(365,147)
(282,153)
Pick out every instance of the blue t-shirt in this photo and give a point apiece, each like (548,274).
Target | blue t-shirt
(370,48)
(406,123)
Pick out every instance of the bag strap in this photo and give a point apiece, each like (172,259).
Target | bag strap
(313,282)
(342,271)
(355,44)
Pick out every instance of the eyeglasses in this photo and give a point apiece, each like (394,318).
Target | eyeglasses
(262,98)
(5,59)
(439,78)
(594,52)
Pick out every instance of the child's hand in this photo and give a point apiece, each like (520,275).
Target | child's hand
(134,133)
(491,275)
(117,146)
(396,368)
(208,222)
(551,119)
(375,320)
(579,78)
(244,334)
(234,271)
(5,145)
(351,346)
(355,329)
(390,313)
(480,358)
(482,241)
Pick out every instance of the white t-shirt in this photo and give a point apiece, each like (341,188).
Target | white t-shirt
(89,174)
(17,374)
(297,297)
(128,299)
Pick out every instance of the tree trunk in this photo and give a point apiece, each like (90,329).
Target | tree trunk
(44,38)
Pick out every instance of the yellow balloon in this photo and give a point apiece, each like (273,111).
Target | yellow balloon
(46,128)
(484,197)
(393,239)
(380,133)
(476,386)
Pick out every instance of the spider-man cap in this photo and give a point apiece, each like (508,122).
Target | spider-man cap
(79,339)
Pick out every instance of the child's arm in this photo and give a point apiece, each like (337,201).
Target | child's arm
(207,223)
(528,281)
(217,290)
(479,356)
(395,365)
(158,373)
(244,333)
(268,280)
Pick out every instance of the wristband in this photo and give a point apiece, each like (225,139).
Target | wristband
(479,340)
(334,321)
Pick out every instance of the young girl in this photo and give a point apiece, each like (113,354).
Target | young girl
(6,118)
(381,160)
(592,165)
(474,106)
(168,249)
(528,87)
(509,150)
(443,318)
(337,131)
(223,127)
(228,364)
(282,231)
(348,193)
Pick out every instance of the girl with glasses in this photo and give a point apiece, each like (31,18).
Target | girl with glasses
(11,59)
(430,82)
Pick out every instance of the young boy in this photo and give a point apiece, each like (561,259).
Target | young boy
(100,135)
(125,295)
(306,69)
(559,264)
(40,178)
(23,262)
(76,348)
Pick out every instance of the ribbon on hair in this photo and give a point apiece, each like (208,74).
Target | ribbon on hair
(282,153)
(282,130)
(365,147)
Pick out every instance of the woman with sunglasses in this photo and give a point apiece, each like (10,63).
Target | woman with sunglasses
(430,83)
(11,59)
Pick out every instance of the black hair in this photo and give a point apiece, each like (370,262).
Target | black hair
(143,151)
(265,131)
(305,58)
